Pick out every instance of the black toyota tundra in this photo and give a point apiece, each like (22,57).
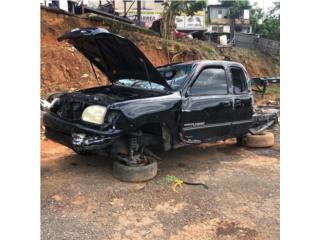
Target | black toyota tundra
(145,107)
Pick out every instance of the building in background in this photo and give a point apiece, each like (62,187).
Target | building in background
(67,5)
(191,23)
(151,11)
(219,21)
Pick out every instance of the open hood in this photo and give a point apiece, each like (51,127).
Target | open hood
(114,55)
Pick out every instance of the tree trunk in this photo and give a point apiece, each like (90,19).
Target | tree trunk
(167,23)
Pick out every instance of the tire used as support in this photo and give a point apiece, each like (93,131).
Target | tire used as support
(136,172)
(261,140)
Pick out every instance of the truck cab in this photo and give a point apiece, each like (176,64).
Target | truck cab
(217,102)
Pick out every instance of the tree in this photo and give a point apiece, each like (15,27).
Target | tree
(275,10)
(270,26)
(173,8)
(235,7)
(256,17)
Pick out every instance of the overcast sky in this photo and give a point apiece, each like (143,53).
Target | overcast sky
(265,4)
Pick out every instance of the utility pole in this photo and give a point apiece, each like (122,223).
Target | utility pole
(82,7)
(139,11)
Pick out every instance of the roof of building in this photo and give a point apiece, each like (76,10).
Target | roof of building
(218,5)
(223,6)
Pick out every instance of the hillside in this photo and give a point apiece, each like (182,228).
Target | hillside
(63,68)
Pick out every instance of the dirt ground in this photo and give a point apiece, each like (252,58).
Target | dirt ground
(81,200)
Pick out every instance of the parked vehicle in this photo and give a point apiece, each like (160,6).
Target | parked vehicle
(169,106)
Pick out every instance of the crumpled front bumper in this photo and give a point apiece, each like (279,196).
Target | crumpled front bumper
(77,136)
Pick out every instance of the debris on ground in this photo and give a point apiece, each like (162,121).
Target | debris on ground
(176,182)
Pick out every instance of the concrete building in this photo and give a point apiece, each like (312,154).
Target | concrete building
(220,22)
(151,10)
(67,5)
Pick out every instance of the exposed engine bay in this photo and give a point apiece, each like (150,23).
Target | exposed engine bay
(71,105)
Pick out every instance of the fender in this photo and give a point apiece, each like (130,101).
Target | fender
(155,109)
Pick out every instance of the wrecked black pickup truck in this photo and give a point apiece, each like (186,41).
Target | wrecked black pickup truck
(145,108)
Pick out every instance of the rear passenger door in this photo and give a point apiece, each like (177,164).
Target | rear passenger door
(242,101)
(207,107)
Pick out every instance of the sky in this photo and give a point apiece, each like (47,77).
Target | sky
(265,4)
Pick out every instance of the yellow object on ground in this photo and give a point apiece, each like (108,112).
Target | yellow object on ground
(176,183)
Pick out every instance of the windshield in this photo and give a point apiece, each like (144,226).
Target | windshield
(175,75)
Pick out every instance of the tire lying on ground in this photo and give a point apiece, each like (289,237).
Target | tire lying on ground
(264,139)
(135,173)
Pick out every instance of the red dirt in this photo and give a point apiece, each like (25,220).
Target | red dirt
(63,68)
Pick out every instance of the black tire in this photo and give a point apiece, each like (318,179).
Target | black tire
(135,173)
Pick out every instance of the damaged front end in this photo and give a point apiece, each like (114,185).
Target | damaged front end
(104,121)
(78,137)
(81,121)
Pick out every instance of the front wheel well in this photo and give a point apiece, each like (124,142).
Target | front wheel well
(161,131)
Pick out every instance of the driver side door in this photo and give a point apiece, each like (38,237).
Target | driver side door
(207,107)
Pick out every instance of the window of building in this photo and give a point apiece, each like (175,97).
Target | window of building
(246,14)
(214,28)
(211,81)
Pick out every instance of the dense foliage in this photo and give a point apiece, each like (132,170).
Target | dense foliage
(235,7)
(266,24)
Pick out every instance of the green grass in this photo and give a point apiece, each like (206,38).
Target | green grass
(272,92)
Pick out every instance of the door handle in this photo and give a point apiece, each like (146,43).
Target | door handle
(237,102)
(226,103)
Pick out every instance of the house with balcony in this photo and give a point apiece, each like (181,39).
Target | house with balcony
(219,21)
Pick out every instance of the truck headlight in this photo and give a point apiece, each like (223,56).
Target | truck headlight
(94,114)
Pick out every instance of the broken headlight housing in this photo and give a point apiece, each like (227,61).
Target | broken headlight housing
(94,114)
